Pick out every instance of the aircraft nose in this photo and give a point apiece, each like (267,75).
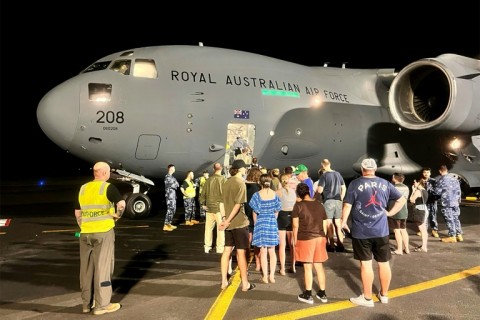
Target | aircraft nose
(57,113)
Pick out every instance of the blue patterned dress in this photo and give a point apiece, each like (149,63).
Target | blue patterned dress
(265,232)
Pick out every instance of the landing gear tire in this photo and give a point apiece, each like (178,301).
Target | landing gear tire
(138,205)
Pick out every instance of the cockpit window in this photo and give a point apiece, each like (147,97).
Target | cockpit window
(97,66)
(145,68)
(121,66)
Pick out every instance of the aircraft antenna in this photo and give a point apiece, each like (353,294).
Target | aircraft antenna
(344,64)
(200,44)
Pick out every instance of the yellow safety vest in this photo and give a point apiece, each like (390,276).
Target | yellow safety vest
(190,191)
(97,210)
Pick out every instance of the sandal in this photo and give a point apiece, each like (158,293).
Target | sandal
(252,286)
(282,272)
(419,249)
(396,253)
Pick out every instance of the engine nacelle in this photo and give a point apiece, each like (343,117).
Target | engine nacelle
(440,93)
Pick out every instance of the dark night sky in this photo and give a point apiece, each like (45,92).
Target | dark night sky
(43,45)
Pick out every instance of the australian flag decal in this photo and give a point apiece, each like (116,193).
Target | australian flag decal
(241,114)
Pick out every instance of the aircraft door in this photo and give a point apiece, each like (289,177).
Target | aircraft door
(239,136)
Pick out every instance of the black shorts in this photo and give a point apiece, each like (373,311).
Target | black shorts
(238,238)
(363,249)
(284,220)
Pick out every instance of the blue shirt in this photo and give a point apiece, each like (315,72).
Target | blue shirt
(369,198)
(309,183)
(331,182)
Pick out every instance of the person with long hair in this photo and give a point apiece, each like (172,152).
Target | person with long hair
(400,219)
(419,198)
(288,198)
(266,205)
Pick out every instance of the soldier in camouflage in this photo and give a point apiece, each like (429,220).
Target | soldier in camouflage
(448,187)
(189,192)
(171,186)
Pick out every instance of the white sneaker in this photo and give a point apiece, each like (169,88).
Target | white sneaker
(305,298)
(322,298)
(383,299)
(112,307)
(361,301)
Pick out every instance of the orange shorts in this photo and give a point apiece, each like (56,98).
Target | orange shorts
(314,250)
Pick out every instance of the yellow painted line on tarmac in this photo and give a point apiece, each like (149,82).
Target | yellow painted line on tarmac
(341,305)
(75,230)
(314,311)
(223,301)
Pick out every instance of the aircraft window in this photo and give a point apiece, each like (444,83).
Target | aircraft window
(97,66)
(99,92)
(121,66)
(126,54)
(145,68)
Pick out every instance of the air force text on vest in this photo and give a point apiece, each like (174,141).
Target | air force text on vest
(92,214)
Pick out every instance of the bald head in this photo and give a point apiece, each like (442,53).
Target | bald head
(101,171)
(326,164)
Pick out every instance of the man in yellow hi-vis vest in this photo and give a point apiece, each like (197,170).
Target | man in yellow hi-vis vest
(99,205)
(189,192)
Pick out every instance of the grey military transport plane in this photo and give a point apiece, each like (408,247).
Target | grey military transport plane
(144,108)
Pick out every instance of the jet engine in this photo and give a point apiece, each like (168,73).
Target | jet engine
(441,93)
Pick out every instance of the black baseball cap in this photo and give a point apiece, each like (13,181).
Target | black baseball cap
(237,164)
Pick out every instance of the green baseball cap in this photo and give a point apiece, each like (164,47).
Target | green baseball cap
(301,168)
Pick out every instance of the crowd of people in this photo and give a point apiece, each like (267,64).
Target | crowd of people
(268,211)
(265,212)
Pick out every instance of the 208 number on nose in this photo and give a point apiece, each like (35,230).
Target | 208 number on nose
(110,117)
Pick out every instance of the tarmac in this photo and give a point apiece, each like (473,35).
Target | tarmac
(167,275)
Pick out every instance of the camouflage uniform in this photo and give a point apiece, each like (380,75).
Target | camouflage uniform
(448,187)
(189,199)
(171,186)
